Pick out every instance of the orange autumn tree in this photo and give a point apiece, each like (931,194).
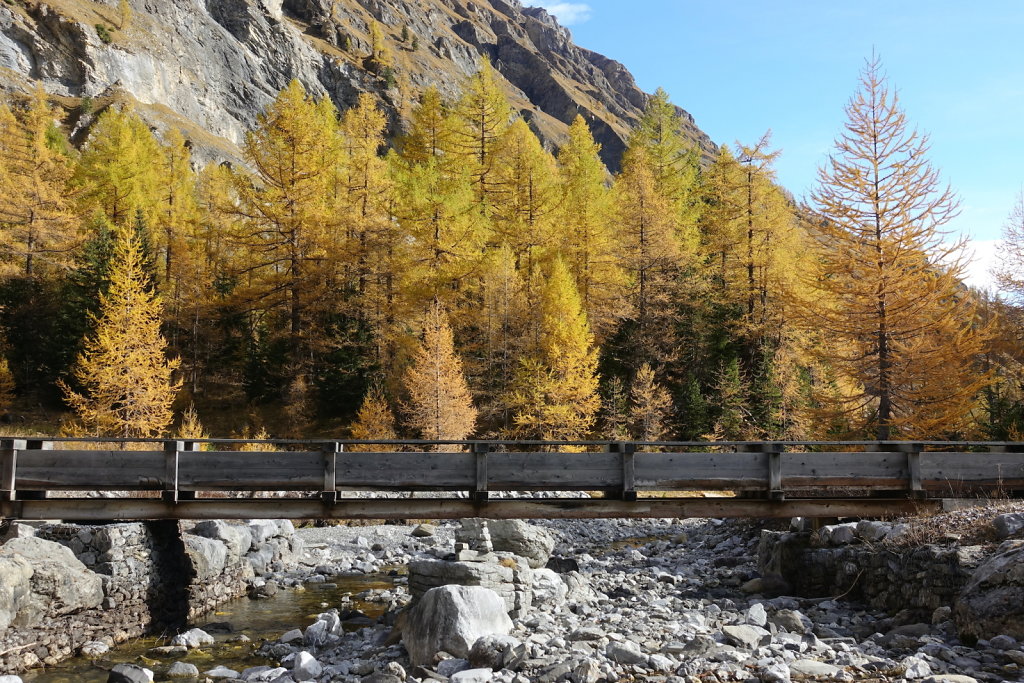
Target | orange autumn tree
(888,292)
(126,379)
(440,405)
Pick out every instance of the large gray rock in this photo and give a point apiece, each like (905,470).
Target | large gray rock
(60,584)
(525,540)
(452,618)
(992,602)
(236,537)
(207,556)
(1009,524)
(508,576)
(15,573)
(129,673)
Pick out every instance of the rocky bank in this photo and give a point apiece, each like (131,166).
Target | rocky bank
(661,600)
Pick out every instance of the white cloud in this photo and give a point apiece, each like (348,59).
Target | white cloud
(981,259)
(568,13)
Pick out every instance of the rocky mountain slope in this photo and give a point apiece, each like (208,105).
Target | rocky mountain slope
(210,66)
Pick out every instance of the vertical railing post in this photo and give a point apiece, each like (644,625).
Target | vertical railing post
(171,451)
(774,454)
(480,451)
(9,468)
(626,451)
(329,494)
(913,452)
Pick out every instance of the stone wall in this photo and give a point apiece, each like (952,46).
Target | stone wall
(920,578)
(72,584)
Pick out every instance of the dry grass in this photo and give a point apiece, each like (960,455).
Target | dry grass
(966,526)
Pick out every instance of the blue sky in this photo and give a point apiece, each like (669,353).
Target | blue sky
(742,67)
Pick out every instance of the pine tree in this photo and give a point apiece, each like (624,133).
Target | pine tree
(673,160)
(374,421)
(191,428)
(902,330)
(555,391)
(440,405)
(585,216)
(652,257)
(525,196)
(38,226)
(283,217)
(480,119)
(651,405)
(126,378)
(119,172)
(434,204)
(380,57)
(734,420)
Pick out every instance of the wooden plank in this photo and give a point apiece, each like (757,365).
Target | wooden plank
(956,471)
(256,471)
(876,470)
(312,508)
(90,470)
(407,471)
(554,471)
(704,471)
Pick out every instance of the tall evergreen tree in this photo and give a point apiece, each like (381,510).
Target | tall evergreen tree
(38,224)
(555,390)
(127,380)
(440,405)
(903,330)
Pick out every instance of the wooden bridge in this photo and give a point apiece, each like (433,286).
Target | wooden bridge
(85,479)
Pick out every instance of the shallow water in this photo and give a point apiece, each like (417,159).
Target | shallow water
(258,619)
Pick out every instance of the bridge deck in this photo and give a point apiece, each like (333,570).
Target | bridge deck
(202,480)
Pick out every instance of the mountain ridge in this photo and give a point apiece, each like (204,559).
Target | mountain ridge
(210,66)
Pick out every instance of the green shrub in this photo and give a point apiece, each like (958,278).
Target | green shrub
(103,31)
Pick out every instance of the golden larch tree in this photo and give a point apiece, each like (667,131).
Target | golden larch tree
(555,390)
(120,169)
(38,224)
(903,329)
(585,217)
(480,119)
(126,378)
(440,405)
(282,217)
(374,422)
(651,404)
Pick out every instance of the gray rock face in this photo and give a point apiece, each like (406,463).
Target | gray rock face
(992,602)
(452,618)
(525,540)
(59,583)
(236,537)
(15,573)
(216,65)
(207,556)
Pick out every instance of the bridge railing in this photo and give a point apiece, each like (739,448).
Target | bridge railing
(179,470)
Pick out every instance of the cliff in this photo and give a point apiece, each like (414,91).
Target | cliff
(210,66)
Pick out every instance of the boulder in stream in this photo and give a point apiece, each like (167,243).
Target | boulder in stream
(451,619)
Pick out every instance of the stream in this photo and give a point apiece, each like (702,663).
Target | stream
(264,619)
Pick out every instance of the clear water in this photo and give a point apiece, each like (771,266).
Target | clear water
(259,619)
